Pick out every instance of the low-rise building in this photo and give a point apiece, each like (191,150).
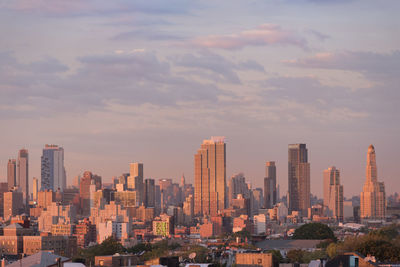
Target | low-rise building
(254,259)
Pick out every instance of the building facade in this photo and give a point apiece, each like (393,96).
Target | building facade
(270,197)
(210,177)
(23,175)
(298,179)
(12,173)
(373,197)
(333,193)
(53,176)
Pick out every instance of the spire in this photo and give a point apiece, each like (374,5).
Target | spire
(183,180)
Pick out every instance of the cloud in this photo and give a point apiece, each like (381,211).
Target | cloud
(132,78)
(263,35)
(370,63)
(216,67)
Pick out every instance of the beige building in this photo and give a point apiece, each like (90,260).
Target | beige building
(56,214)
(210,177)
(254,259)
(298,179)
(333,193)
(373,197)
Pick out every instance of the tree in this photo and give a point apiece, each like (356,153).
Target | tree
(295,255)
(110,246)
(314,231)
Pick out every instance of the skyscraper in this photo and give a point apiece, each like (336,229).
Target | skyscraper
(333,193)
(298,178)
(237,185)
(149,193)
(12,173)
(23,175)
(373,197)
(210,177)
(35,188)
(135,179)
(53,170)
(270,198)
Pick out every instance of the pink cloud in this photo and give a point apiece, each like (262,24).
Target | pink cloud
(263,35)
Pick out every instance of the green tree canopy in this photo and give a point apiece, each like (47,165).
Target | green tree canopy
(314,231)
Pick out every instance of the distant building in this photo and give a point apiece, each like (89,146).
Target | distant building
(35,188)
(260,223)
(12,173)
(13,204)
(238,185)
(163,225)
(270,194)
(23,175)
(373,197)
(210,177)
(52,170)
(149,193)
(254,259)
(135,180)
(333,193)
(298,179)
(85,193)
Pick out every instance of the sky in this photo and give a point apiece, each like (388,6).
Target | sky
(120,81)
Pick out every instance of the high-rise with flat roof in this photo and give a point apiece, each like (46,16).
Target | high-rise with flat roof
(373,197)
(23,175)
(210,177)
(333,193)
(270,198)
(149,193)
(298,179)
(135,179)
(53,170)
(12,173)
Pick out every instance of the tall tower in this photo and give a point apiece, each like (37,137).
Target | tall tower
(12,173)
(270,185)
(298,178)
(373,197)
(210,177)
(237,185)
(23,175)
(35,188)
(53,175)
(149,193)
(135,179)
(333,193)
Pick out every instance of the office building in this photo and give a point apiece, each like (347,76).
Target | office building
(210,177)
(135,179)
(298,179)
(13,204)
(53,175)
(149,193)
(12,173)
(333,193)
(23,175)
(270,195)
(238,185)
(35,188)
(373,197)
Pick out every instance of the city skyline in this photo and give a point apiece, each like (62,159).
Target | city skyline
(259,184)
(116,82)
